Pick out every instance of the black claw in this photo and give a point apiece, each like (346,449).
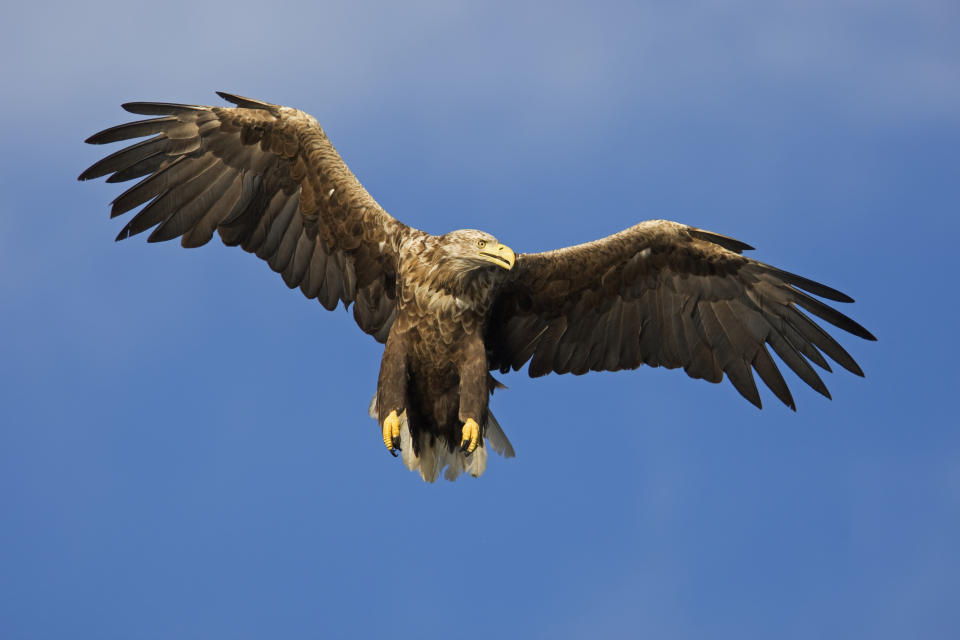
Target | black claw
(393,452)
(396,442)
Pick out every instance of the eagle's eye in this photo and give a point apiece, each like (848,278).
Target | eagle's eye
(481,244)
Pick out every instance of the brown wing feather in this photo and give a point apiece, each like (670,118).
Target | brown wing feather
(665,294)
(266,178)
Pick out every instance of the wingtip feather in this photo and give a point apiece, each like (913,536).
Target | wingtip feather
(160,108)
(726,242)
(246,103)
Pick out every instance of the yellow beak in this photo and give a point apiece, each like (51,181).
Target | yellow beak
(502,257)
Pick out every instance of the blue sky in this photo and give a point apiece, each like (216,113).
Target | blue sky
(184,445)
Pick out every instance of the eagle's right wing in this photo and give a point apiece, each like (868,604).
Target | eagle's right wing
(266,178)
(665,294)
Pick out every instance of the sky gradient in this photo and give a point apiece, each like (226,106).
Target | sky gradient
(184,444)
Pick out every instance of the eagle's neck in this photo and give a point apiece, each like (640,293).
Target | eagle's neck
(445,290)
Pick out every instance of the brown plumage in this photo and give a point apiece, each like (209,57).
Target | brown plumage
(451,308)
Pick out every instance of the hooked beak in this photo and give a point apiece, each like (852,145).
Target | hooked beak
(503,256)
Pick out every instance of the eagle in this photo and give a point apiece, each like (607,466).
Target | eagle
(450,309)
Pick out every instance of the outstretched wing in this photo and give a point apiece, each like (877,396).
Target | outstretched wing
(266,178)
(665,294)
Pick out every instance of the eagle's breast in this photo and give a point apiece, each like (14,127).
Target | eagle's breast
(438,299)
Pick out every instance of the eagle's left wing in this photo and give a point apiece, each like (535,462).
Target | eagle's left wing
(266,178)
(665,294)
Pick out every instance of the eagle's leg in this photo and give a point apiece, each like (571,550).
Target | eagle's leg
(474,393)
(391,432)
(471,436)
(392,389)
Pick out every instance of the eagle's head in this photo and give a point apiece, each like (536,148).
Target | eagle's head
(470,249)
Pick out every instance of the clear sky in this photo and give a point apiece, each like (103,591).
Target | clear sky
(185,450)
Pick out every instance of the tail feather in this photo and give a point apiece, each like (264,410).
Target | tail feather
(497,438)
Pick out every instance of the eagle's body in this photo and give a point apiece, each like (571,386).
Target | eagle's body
(452,308)
(434,365)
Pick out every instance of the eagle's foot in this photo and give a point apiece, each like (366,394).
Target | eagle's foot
(471,436)
(391,433)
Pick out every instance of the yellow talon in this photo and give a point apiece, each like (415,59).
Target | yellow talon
(471,435)
(391,431)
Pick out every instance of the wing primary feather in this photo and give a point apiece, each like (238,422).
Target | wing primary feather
(800,343)
(806,284)
(796,363)
(716,238)
(161,108)
(247,103)
(150,187)
(144,167)
(202,231)
(125,158)
(129,130)
(825,342)
(183,177)
(728,345)
(189,202)
(767,369)
(831,315)
(816,335)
